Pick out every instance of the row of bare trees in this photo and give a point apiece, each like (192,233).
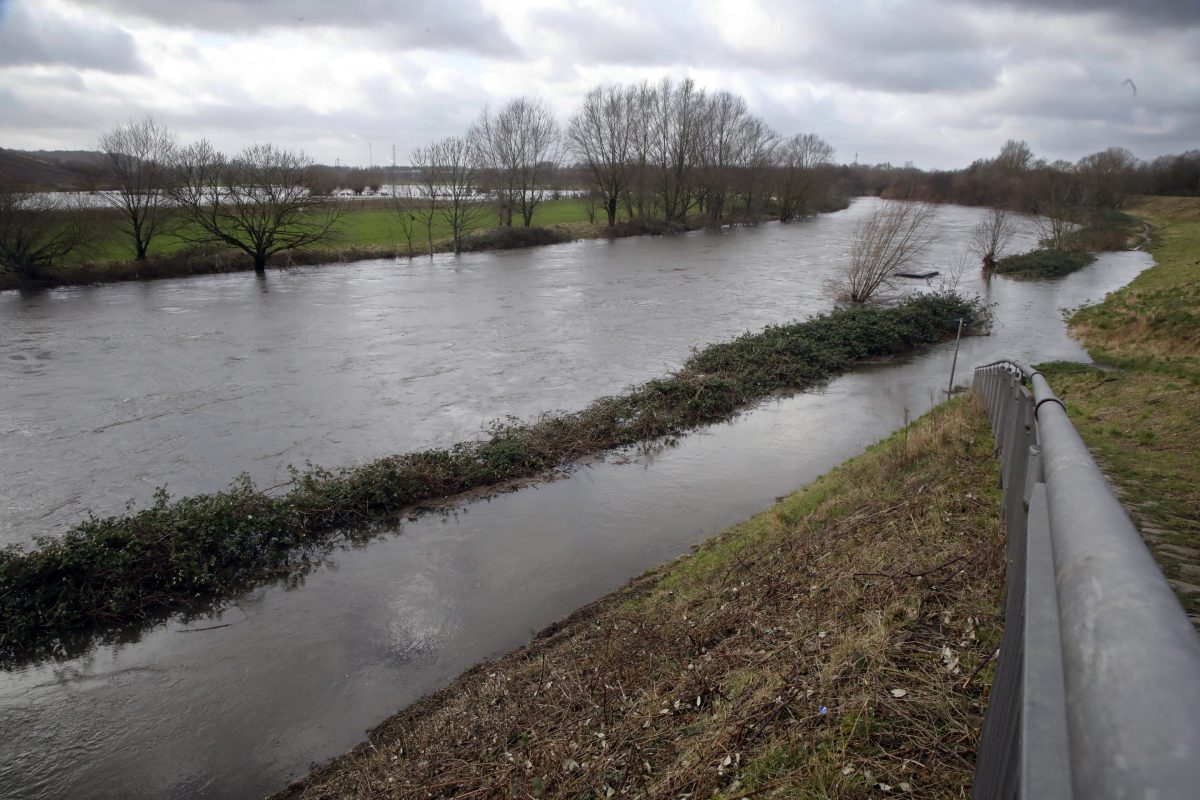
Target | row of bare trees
(668,150)
(505,164)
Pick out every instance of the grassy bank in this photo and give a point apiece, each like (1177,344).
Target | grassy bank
(119,569)
(1139,418)
(369,229)
(835,645)
(1154,323)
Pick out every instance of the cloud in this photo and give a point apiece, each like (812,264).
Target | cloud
(460,25)
(38,35)
(922,47)
(1144,13)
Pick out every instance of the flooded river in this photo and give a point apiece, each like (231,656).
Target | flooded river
(107,392)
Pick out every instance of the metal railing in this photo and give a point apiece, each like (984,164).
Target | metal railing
(1097,688)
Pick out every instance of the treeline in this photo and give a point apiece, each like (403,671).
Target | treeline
(665,153)
(669,149)
(1016,179)
(663,156)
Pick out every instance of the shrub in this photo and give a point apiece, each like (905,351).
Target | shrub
(1044,263)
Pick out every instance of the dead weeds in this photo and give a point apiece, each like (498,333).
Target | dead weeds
(836,645)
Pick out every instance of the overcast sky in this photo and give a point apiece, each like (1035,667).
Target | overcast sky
(936,82)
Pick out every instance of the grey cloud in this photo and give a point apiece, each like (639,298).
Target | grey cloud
(35,36)
(1142,13)
(918,49)
(656,37)
(916,74)
(460,25)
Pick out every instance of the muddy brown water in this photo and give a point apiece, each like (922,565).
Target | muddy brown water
(107,392)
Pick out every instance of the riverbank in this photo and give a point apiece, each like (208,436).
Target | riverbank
(836,644)
(369,229)
(125,568)
(1138,413)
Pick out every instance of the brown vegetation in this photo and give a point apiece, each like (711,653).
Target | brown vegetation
(836,645)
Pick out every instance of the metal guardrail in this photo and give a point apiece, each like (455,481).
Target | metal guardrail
(1097,689)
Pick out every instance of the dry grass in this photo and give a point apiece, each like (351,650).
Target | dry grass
(825,648)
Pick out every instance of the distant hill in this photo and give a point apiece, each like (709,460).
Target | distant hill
(50,169)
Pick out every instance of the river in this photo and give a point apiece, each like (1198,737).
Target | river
(109,391)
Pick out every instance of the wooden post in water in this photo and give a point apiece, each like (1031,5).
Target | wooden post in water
(954,363)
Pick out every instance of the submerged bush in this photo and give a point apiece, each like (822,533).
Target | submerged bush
(1044,263)
(507,238)
(121,568)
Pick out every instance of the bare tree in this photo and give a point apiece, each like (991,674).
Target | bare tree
(37,231)
(425,210)
(137,159)
(493,138)
(599,135)
(1015,157)
(755,154)
(679,140)
(258,202)
(893,235)
(799,160)
(452,168)
(992,235)
(408,217)
(1106,176)
(518,149)
(590,199)
(721,146)
(1055,224)
(642,100)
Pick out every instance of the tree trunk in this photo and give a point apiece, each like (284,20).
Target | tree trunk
(260,263)
(610,207)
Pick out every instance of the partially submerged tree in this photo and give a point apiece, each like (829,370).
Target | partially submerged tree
(137,166)
(37,231)
(257,202)
(424,207)
(892,236)
(992,235)
(798,181)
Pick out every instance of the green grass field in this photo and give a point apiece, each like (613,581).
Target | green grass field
(364,225)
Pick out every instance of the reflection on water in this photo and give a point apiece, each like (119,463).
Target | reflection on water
(346,363)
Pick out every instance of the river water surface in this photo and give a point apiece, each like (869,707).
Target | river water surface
(106,392)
